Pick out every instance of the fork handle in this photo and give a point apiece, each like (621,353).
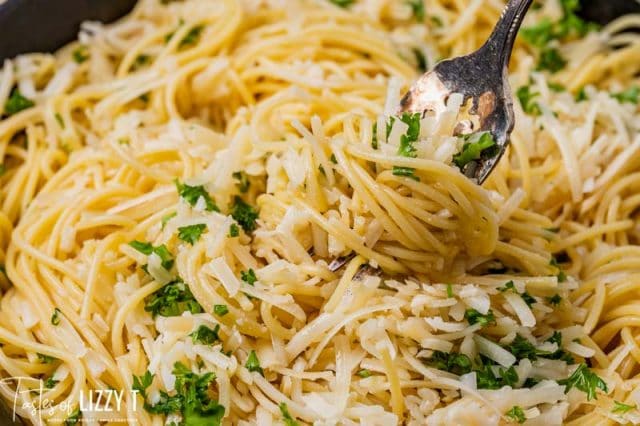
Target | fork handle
(501,40)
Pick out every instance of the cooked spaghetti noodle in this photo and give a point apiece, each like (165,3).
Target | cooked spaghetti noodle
(208,203)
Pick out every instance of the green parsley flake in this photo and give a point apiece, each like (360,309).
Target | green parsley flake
(516,415)
(17,103)
(243,181)
(234,231)
(475,317)
(80,54)
(621,408)
(244,214)
(50,383)
(286,417)
(253,363)
(475,146)
(205,336)
(191,234)
(562,277)
(421,60)
(342,3)
(555,300)
(630,95)
(59,119)
(364,373)
(405,171)
(55,318)
(162,251)
(141,383)
(191,194)
(526,98)
(453,363)
(417,6)
(249,276)
(192,37)
(220,310)
(449,291)
(585,380)
(551,60)
(45,359)
(172,300)
(74,418)
(167,218)
(140,61)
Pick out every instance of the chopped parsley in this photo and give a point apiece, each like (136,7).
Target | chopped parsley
(409,172)
(234,231)
(140,61)
(333,159)
(475,317)
(191,194)
(192,37)
(555,300)
(581,95)
(191,400)
(417,6)
(374,135)
(487,379)
(46,359)
(74,417)
(17,103)
(55,318)
(244,214)
(205,336)
(253,363)
(191,234)
(249,276)
(620,408)
(50,383)
(141,383)
(59,119)
(551,60)
(421,60)
(364,373)
(220,310)
(172,300)
(509,285)
(526,98)
(342,3)
(516,415)
(475,146)
(630,95)
(449,290)
(521,348)
(243,181)
(167,218)
(585,380)
(286,417)
(80,54)
(162,251)
(453,363)
(556,87)
(562,277)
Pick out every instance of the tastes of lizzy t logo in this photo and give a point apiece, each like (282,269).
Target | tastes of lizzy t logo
(95,405)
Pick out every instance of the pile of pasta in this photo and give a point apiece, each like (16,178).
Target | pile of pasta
(208,204)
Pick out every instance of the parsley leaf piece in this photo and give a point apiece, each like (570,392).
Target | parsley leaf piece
(551,60)
(191,194)
(562,277)
(342,3)
(140,61)
(521,348)
(80,54)
(74,417)
(406,148)
(17,103)
(421,60)
(364,373)
(621,408)
(540,34)
(449,290)
(585,380)
(486,379)
(476,145)
(205,335)
(191,234)
(556,87)
(526,98)
(249,276)
(244,214)
(286,417)
(630,95)
(516,414)
(405,171)
(46,359)
(555,300)
(55,318)
(220,310)
(417,6)
(253,363)
(234,231)
(192,37)
(581,95)
(50,383)
(141,383)
(374,135)
(475,317)
(172,300)
(167,218)
(509,285)
(162,251)
(453,363)
(243,181)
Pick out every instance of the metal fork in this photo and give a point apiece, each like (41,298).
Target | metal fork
(480,76)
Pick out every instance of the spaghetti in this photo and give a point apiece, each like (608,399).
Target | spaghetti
(210,204)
